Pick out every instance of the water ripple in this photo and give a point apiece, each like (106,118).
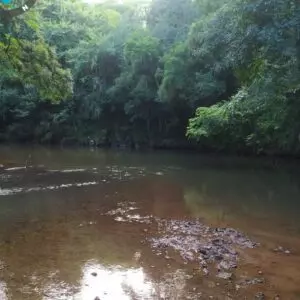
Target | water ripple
(12,191)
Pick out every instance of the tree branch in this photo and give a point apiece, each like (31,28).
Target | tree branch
(6,15)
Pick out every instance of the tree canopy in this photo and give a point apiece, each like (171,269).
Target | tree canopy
(216,75)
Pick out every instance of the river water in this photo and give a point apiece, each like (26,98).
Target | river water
(94,224)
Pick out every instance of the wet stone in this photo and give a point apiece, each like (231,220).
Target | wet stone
(197,242)
(260,296)
(205,271)
(225,275)
(227,265)
(193,240)
(280,249)
(251,281)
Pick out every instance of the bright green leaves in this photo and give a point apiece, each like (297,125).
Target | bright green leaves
(26,59)
(261,46)
(35,64)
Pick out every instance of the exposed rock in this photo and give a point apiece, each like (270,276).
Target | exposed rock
(251,281)
(260,296)
(224,275)
(195,241)
(226,265)
(205,271)
(279,249)
(282,250)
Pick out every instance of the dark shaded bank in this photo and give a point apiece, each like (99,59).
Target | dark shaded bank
(183,147)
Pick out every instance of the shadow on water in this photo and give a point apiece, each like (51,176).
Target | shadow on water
(77,224)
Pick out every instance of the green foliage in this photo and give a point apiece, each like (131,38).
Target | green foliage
(135,74)
(263,52)
(169,20)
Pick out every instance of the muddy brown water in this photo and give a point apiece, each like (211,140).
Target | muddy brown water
(83,224)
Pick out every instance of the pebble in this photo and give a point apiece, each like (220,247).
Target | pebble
(225,275)
(205,271)
(282,250)
(94,274)
(260,296)
(250,281)
(227,265)
(277,297)
(260,272)
(97,298)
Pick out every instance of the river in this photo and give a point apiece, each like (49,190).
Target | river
(84,224)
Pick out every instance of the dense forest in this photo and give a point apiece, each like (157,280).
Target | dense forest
(220,75)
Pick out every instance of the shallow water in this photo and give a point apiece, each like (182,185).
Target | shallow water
(82,224)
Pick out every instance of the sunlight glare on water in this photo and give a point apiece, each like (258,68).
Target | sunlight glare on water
(3,291)
(115,283)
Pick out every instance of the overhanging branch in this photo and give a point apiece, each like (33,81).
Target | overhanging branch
(6,15)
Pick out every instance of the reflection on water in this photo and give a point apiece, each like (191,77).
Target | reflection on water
(247,197)
(6,192)
(116,283)
(75,224)
(3,291)
(99,282)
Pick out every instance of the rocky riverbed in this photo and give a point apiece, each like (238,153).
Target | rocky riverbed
(215,253)
(214,250)
(196,242)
